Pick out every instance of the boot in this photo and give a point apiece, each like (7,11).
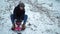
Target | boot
(23,27)
(13,27)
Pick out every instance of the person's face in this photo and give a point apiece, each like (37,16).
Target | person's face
(21,8)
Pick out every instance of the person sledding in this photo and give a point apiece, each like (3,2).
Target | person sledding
(19,14)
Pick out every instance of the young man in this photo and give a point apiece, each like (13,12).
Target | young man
(19,14)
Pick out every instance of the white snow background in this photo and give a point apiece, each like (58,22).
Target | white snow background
(43,16)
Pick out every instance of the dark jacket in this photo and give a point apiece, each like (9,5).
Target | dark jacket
(18,14)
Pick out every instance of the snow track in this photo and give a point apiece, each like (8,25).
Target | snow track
(39,23)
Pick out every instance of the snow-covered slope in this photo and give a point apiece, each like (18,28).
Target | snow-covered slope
(39,22)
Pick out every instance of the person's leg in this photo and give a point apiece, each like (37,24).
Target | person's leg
(25,19)
(12,18)
(24,22)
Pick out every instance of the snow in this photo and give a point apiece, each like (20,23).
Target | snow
(40,22)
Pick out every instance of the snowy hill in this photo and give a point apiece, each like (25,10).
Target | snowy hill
(43,18)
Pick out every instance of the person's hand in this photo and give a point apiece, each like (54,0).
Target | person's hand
(15,20)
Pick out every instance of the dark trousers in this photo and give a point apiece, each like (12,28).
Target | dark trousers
(24,20)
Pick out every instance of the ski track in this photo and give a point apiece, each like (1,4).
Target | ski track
(40,23)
